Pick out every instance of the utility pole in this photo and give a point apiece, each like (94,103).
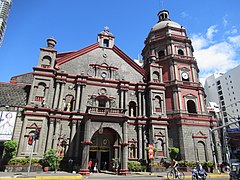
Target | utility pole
(211,140)
(32,141)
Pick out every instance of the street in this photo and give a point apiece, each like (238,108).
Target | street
(146,176)
(137,177)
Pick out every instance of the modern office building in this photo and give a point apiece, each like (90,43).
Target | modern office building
(224,89)
(4,11)
(223,93)
(97,103)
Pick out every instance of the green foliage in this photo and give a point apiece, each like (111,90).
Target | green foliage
(209,164)
(173,152)
(22,161)
(190,164)
(50,159)
(136,166)
(10,148)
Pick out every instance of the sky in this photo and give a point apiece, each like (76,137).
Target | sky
(213,27)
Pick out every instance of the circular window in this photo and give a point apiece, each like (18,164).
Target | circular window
(104,74)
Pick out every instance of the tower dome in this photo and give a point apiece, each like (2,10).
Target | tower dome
(164,21)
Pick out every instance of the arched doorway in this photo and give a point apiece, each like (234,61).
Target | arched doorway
(104,148)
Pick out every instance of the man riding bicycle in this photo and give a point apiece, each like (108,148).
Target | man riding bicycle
(175,166)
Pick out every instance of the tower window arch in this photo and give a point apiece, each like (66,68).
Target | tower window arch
(46,61)
(40,92)
(156,77)
(191,106)
(106,43)
(180,52)
(161,53)
(158,104)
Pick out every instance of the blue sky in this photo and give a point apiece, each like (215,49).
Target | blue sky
(213,26)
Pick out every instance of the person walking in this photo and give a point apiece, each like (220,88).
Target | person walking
(90,166)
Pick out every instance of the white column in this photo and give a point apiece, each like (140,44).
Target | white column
(50,134)
(56,134)
(77,97)
(78,140)
(71,143)
(56,98)
(61,97)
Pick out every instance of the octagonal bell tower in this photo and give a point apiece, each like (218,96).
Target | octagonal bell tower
(175,95)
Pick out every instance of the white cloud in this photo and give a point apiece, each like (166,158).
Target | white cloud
(235,40)
(233,30)
(210,32)
(199,41)
(215,56)
(184,14)
(225,21)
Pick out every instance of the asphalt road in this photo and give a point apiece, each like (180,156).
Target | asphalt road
(137,178)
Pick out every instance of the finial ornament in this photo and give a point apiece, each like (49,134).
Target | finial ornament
(106,29)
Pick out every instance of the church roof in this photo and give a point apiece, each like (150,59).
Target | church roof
(14,94)
(65,57)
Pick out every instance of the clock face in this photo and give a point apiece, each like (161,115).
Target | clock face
(185,75)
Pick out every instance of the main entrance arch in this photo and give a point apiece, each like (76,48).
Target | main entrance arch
(104,148)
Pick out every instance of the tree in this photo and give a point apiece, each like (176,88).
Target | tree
(173,152)
(10,148)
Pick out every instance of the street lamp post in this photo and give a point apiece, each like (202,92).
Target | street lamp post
(211,140)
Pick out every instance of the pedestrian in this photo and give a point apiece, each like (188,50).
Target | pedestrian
(70,165)
(90,166)
(95,168)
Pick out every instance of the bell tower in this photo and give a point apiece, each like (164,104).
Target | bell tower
(172,75)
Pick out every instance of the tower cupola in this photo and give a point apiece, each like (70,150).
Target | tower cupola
(163,15)
(106,38)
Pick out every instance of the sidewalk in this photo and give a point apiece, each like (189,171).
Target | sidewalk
(51,175)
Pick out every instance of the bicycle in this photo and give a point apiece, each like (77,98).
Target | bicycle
(172,174)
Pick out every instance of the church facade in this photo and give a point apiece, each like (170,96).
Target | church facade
(97,103)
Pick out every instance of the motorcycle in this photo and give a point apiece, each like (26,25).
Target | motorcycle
(198,175)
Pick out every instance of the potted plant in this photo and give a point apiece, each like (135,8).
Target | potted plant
(50,160)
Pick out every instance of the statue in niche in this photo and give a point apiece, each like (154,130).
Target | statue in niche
(68,107)
(131,153)
(131,112)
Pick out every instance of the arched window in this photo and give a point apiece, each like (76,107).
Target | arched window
(132,109)
(40,92)
(102,103)
(158,104)
(46,62)
(191,106)
(161,54)
(156,76)
(180,52)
